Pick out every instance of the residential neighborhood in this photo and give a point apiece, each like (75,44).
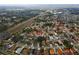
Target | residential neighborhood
(40,32)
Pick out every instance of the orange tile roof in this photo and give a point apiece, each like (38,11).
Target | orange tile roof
(59,51)
(52,51)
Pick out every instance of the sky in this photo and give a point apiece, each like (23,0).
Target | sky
(39,1)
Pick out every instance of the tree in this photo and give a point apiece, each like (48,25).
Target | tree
(27,30)
(17,38)
(67,44)
(3,27)
(40,39)
(48,24)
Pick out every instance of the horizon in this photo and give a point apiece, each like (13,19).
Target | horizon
(40,6)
